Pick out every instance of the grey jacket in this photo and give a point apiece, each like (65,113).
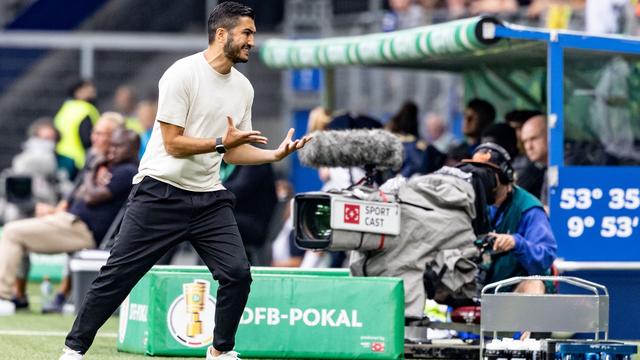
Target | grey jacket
(437,210)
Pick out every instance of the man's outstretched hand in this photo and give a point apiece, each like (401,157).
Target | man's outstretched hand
(235,137)
(287,146)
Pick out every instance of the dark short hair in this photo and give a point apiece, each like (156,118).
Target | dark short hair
(503,135)
(76,85)
(486,112)
(520,116)
(225,15)
(131,137)
(405,121)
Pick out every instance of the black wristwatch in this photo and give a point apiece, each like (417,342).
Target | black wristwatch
(220,149)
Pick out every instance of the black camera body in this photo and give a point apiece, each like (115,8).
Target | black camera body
(18,189)
(485,243)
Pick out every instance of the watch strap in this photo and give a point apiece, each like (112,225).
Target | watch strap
(220,149)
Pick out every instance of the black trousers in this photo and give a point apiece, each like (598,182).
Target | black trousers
(158,217)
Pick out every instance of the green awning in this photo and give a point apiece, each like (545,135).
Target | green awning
(457,46)
(412,47)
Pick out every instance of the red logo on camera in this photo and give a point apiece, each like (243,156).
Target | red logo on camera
(351,214)
(377,347)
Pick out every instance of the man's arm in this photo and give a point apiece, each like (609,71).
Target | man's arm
(86,127)
(251,155)
(237,142)
(534,244)
(178,145)
(93,191)
(104,187)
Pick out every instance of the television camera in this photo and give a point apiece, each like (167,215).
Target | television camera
(421,229)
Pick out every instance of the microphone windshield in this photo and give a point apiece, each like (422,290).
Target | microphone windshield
(347,148)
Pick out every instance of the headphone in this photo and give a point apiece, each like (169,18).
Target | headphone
(501,158)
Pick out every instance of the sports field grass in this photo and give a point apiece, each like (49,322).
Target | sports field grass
(29,335)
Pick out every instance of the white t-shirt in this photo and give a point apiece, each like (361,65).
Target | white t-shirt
(194,96)
(605,16)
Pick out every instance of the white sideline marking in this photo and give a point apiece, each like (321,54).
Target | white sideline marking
(47,333)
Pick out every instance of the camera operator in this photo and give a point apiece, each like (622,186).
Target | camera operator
(523,242)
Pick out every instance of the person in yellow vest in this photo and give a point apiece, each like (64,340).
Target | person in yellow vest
(75,121)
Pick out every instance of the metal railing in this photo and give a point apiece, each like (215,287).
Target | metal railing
(89,42)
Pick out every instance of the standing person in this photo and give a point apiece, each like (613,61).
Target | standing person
(204,113)
(534,139)
(478,115)
(147,115)
(75,120)
(607,16)
(255,190)
(438,133)
(125,101)
(404,125)
(529,174)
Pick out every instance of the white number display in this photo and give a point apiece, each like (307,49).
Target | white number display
(621,226)
(609,226)
(617,199)
(582,198)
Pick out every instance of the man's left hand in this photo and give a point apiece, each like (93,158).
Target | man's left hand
(503,242)
(287,146)
(103,176)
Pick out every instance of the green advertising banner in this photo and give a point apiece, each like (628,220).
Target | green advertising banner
(171,313)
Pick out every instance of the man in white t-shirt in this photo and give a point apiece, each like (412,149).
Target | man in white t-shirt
(204,115)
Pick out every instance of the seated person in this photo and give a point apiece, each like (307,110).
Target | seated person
(524,242)
(103,192)
(100,142)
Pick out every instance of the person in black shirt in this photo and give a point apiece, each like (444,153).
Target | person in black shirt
(103,192)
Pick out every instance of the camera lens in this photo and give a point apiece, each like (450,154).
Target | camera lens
(316,219)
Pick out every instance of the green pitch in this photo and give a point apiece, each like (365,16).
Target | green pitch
(29,335)
(32,336)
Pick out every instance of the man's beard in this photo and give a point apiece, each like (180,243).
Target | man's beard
(233,52)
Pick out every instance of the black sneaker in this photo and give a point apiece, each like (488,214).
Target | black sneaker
(21,303)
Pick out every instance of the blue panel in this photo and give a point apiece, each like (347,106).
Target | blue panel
(618,44)
(624,289)
(303,178)
(595,213)
(306,80)
(522,33)
(555,103)
(612,44)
